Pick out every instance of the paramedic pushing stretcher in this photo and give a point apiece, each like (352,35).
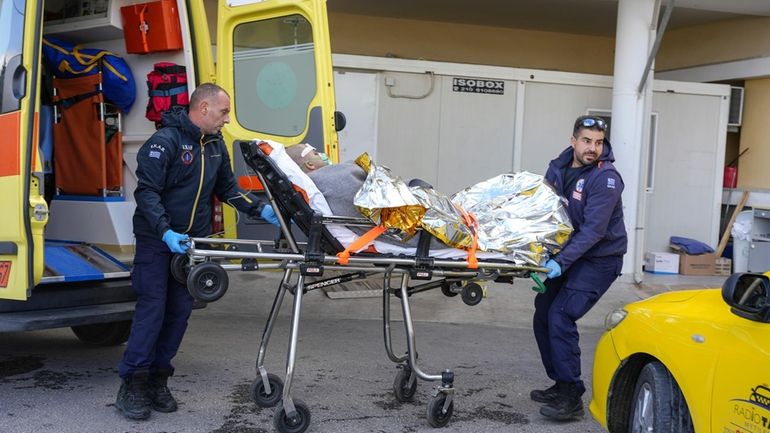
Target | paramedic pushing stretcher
(584,269)
(180,168)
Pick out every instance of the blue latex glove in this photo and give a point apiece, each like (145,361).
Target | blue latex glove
(177,242)
(268,214)
(554,269)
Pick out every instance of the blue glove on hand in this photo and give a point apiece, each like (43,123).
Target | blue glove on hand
(177,243)
(268,214)
(554,270)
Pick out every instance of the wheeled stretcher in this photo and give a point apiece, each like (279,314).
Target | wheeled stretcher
(204,269)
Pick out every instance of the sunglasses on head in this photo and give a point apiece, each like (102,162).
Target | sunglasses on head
(592,122)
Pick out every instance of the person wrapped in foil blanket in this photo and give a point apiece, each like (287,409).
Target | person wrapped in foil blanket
(515,214)
(513,217)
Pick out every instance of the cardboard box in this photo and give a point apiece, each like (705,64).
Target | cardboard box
(702,264)
(661,263)
(723,267)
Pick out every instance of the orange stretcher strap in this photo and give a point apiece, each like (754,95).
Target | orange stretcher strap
(470,220)
(362,241)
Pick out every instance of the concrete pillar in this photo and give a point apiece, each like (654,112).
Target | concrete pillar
(630,118)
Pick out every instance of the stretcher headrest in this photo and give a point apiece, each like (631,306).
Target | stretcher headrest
(291,202)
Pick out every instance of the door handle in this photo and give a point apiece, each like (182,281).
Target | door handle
(19,84)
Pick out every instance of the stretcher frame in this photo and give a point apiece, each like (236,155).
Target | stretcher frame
(207,280)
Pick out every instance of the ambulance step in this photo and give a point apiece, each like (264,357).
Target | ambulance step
(62,317)
(72,261)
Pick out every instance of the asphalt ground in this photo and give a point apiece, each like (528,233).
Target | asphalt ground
(51,382)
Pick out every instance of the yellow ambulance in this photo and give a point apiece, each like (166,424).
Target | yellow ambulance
(65,253)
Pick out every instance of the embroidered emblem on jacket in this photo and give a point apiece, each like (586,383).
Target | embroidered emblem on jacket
(187,157)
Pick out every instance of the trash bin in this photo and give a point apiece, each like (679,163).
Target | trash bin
(741,233)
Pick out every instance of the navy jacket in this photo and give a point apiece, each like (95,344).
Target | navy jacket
(594,206)
(179,171)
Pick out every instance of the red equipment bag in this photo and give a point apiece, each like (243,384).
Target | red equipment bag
(167,88)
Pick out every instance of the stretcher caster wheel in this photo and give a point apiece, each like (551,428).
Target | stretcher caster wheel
(403,391)
(207,282)
(180,268)
(446,289)
(436,415)
(472,294)
(296,424)
(260,397)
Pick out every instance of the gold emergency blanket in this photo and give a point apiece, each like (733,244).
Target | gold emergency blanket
(518,215)
(514,214)
(443,219)
(387,201)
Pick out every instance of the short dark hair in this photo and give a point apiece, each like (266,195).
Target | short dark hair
(205,92)
(594,123)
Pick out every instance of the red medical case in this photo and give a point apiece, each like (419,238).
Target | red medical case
(151,27)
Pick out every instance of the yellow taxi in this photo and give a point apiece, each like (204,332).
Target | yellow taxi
(688,361)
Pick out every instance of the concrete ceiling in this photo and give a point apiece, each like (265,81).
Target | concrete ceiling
(589,17)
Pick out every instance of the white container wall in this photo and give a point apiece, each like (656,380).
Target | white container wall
(453,139)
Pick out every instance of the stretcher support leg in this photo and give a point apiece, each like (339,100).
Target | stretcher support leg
(441,405)
(288,404)
(261,370)
(386,322)
(410,341)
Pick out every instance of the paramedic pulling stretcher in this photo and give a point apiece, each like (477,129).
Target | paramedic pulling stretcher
(207,280)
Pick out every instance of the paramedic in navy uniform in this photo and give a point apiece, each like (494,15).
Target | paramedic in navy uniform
(180,169)
(584,269)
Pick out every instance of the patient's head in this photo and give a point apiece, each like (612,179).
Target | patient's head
(307,157)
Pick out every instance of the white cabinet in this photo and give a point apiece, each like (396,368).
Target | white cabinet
(81,21)
(759,248)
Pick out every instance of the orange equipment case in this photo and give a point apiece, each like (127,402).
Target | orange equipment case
(151,27)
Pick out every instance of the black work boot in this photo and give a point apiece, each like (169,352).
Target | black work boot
(132,399)
(567,406)
(548,395)
(159,394)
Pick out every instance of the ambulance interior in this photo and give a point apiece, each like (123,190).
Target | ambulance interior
(88,144)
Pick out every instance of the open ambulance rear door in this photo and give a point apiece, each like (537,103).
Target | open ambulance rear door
(24,212)
(274,58)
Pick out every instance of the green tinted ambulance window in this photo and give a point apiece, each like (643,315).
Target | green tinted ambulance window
(274,75)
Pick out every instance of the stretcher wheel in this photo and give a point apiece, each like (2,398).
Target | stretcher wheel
(180,268)
(472,294)
(401,388)
(446,289)
(207,282)
(296,424)
(263,399)
(436,416)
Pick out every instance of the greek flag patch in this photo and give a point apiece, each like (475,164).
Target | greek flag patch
(611,183)
(154,154)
